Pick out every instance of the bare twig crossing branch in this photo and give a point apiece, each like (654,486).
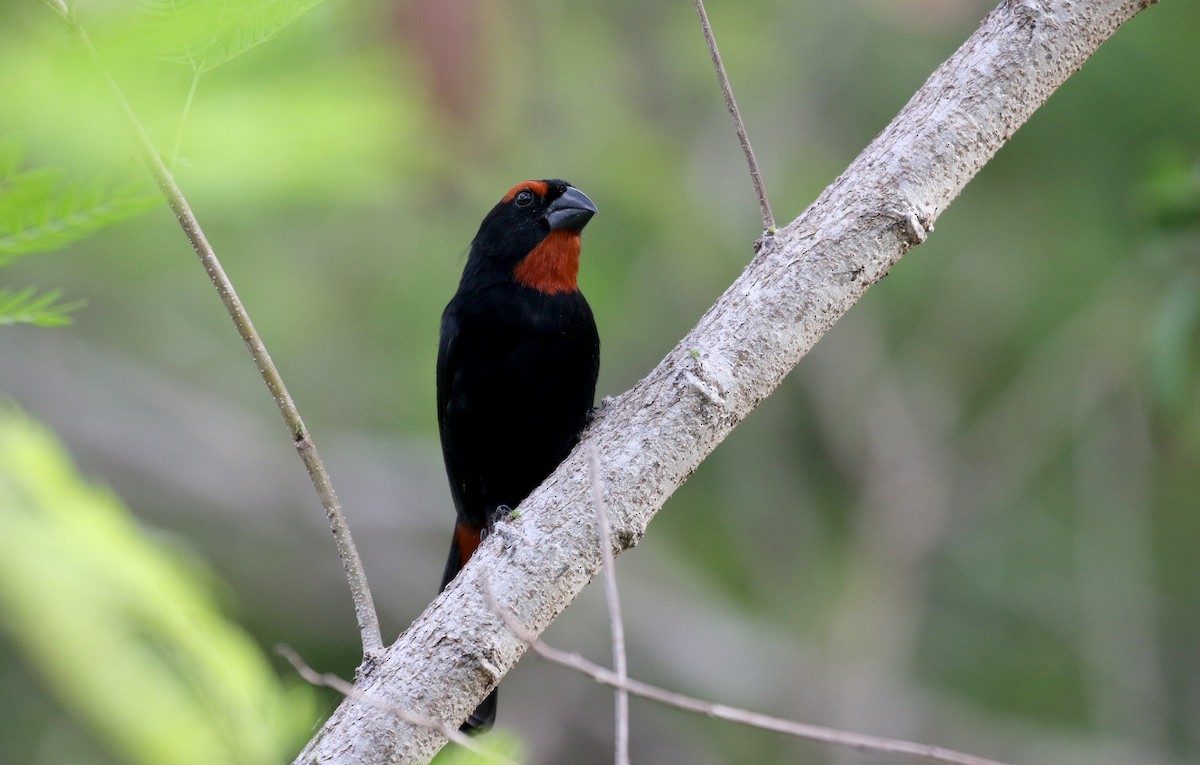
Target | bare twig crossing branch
(850,739)
(764,204)
(329,680)
(615,620)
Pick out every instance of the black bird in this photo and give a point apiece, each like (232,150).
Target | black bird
(517,364)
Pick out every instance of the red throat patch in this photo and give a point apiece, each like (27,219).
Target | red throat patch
(552,266)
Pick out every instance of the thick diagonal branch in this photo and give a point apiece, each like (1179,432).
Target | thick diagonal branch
(652,437)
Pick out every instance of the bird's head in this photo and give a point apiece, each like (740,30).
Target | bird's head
(532,236)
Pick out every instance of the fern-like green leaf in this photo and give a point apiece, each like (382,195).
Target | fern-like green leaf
(10,155)
(124,629)
(39,210)
(204,34)
(28,307)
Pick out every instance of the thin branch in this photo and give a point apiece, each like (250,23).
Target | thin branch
(859,741)
(183,118)
(364,607)
(768,217)
(615,620)
(330,680)
(59,7)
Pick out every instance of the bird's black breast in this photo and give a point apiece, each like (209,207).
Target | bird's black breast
(516,378)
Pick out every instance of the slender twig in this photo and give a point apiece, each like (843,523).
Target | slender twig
(605,676)
(58,6)
(183,117)
(364,607)
(615,621)
(187,104)
(755,176)
(330,680)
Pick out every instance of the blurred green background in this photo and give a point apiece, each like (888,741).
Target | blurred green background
(970,517)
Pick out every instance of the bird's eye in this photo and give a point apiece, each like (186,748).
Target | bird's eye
(524,199)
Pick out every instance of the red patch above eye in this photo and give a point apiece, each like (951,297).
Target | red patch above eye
(537,187)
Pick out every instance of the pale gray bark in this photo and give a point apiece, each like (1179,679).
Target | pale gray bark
(652,437)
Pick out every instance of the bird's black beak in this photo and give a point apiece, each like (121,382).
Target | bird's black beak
(571,211)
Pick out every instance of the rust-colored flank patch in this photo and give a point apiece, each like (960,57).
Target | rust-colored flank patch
(552,266)
(537,187)
(466,539)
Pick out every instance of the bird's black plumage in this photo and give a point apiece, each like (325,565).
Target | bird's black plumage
(517,363)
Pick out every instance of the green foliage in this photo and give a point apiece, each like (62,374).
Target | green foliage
(500,745)
(123,628)
(40,210)
(207,33)
(1170,201)
(1170,190)
(27,307)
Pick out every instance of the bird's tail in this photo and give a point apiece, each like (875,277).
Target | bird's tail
(484,716)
